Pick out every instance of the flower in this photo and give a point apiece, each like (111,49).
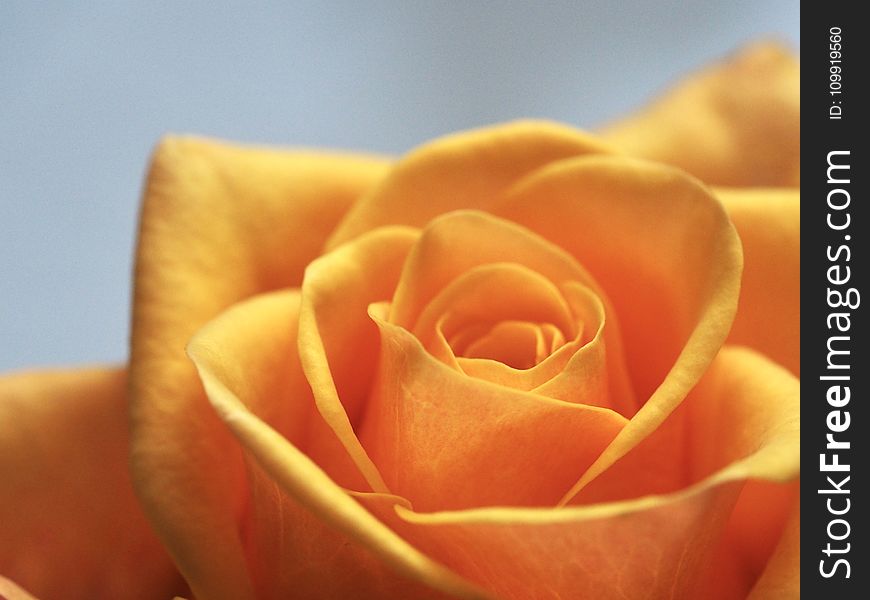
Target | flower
(501,367)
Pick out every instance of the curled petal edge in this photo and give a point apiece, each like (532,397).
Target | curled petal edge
(309,485)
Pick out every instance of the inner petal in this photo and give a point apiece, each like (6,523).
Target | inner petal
(453,245)
(490,294)
(518,344)
(550,335)
(539,359)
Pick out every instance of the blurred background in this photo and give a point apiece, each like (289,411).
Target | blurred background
(87,88)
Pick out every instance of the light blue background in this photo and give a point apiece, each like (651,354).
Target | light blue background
(87,88)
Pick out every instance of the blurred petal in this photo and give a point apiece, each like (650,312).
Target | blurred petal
(10,591)
(464,170)
(305,535)
(69,523)
(643,547)
(768,316)
(782,576)
(735,123)
(219,224)
(758,531)
(667,255)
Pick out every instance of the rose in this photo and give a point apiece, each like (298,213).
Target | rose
(250,490)
(217,228)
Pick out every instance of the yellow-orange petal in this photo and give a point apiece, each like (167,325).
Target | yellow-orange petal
(304,535)
(736,123)
(444,440)
(464,170)
(337,342)
(668,257)
(219,224)
(742,400)
(69,523)
(519,344)
(494,293)
(457,242)
(585,369)
(768,315)
(576,371)
(652,546)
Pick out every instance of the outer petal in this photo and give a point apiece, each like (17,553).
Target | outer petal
(305,536)
(464,170)
(742,399)
(668,257)
(650,547)
(736,123)
(69,523)
(219,224)
(768,317)
(782,576)
(759,548)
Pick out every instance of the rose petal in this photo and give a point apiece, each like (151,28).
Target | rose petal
(768,316)
(575,372)
(667,255)
(742,400)
(304,535)
(69,523)
(652,546)
(519,344)
(782,576)
(736,123)
(444,440)
(256,345)
(583,376)
(216,225)
(337,343)
(494,293)
(756,531)
(460,241)
(463,170)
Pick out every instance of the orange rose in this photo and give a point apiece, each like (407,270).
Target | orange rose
(500,367)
